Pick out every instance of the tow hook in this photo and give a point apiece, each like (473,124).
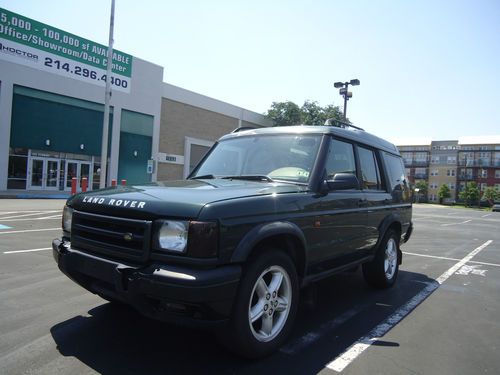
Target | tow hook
(122,277)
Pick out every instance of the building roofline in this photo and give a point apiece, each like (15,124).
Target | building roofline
(181,95)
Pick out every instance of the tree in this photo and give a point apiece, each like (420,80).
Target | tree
(491,195)
(422,187)
(311,113)
(470,194)
(284,113)
(443,193)
(333,111)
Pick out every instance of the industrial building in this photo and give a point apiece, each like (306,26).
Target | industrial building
(51,113)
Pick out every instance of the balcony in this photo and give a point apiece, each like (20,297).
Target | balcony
(415,163)
(479,163)
(421,176)
(467,177)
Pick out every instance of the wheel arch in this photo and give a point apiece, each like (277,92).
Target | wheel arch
(282,235)
(392,221)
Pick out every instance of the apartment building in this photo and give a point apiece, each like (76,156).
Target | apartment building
(479,161)
(453,163)
(442,168)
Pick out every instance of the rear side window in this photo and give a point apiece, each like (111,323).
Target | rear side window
(340,159)
(369,169)
(395,172)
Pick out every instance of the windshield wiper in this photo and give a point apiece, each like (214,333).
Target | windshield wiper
(203,177)
(250,177)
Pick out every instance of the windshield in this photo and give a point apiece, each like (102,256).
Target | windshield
(288,157)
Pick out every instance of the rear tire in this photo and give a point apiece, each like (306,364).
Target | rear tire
(265,307)
(382,272)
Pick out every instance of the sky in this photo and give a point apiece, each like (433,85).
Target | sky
(427,68)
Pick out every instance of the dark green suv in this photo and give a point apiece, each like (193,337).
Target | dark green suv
(265,213)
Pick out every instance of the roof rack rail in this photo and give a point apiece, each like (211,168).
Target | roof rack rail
(341,124)
(243,128)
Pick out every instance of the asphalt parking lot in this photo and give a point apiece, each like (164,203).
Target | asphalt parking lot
(440,318)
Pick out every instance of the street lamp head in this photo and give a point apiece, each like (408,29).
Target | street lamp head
(338,85)
(354,82)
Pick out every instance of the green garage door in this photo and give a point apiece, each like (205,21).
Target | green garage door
(136,135)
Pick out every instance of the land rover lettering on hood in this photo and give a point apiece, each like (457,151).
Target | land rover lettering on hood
(265,213)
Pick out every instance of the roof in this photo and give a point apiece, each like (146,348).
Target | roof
(479,140)
(360,136)
(415,141)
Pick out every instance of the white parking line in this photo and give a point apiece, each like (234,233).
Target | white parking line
(309,338)
(452,259)
(52,217)
(17,212)
(34,213)
(26,251)
(486,215)
(30,230)
(343,360)
(463,222)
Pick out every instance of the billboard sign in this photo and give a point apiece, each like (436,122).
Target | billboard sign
(31,43)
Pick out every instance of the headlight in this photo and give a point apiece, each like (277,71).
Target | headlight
(173,236)
(67,218)
(191,238)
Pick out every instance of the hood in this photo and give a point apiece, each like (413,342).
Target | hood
(180,199)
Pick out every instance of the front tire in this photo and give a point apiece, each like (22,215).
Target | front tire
(265,307)
(382,272)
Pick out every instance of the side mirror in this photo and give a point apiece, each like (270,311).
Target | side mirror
(343,181)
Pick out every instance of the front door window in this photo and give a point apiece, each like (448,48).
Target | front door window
(44,174)
(79,170)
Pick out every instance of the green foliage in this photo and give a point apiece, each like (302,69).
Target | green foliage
(444,192)
(491,195)
(470,194)
(311,113)
(284,113)
(422,187)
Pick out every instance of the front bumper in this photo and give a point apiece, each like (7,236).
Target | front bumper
(160,291)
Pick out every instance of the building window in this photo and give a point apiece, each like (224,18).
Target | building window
(484,173)
(483,186)
(451,186)
(497,173)
(435,172)
(452,160)
(451,172)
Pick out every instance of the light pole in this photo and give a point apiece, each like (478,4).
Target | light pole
(343,86)
(107,97)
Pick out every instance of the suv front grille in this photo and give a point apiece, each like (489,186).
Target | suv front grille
(115,238)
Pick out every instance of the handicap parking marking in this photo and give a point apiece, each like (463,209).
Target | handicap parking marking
(363,343)
(2,227)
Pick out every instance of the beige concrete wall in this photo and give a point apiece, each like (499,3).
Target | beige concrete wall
(179,120)
(442,179)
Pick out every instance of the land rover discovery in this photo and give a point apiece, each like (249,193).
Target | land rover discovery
(265,213)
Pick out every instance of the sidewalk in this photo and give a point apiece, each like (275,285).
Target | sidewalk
(34,194)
